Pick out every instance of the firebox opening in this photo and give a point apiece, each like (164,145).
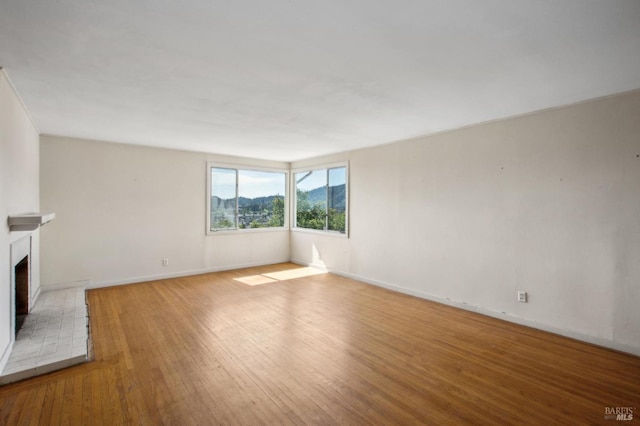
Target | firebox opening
(22,291)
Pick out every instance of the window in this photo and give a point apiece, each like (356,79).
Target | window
(245,199)
(321,199)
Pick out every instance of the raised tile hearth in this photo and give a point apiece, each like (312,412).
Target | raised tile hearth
(54,336)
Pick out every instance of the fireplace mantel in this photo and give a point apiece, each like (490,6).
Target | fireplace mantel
(29,221)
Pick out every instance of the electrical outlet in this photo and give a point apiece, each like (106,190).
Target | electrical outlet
(522,296)
(165,262)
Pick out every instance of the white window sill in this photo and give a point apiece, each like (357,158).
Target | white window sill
(334,234)
(246,231)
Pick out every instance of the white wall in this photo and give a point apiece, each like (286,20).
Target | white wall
(121,209)
(19,193)
(548,203)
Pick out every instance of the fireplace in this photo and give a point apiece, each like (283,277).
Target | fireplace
(21,274)
(21,297)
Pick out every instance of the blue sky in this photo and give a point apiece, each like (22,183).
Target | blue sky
(254,184)
(318,178)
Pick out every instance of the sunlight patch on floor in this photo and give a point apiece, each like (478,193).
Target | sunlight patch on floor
(288,274)
(255,280)
(291,274)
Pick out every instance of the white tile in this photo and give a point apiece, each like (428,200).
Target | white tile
(30,351)
(64,349)
(79,351)
(48,349)
(64,340)
(20,345)
(51,339)
(53,336)
(38,333)
(39,328)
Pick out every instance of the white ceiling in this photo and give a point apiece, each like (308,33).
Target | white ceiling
(292,79)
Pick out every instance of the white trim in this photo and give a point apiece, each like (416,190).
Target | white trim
(237,168)
(606,343)
(17,95)
(18,250)
(334,234)
(322,166)
(246,167)
(6,355)
(65,286)
(247,231)
(294,198)
(36,295)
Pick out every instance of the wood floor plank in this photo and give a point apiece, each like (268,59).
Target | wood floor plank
(320,349)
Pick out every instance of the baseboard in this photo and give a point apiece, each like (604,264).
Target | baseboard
(34,298)
(633,350)
(65,286)
(144,278)
(317,266)
(5,356)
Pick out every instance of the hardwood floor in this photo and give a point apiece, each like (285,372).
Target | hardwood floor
(320,349)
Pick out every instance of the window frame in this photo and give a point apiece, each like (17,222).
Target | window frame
(294,190)
(248,168)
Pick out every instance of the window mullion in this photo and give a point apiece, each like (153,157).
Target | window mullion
(326,207)
(237,200)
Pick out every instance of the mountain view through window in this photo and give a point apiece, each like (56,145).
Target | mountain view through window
(245,199)
(321,199)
